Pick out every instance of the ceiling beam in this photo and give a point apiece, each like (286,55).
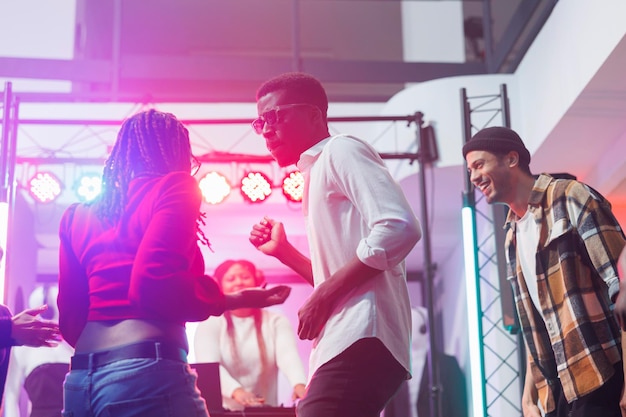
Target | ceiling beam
(218,78)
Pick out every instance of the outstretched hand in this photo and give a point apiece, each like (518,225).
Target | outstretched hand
(29,330)
(259,297)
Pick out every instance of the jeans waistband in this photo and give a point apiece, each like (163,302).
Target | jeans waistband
(142,350)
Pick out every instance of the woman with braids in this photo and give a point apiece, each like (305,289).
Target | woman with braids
(251,345)
(131,274)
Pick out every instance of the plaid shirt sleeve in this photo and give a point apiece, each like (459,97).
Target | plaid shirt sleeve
(599,230)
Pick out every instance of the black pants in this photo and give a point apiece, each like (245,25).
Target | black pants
(357,383)
(603,402)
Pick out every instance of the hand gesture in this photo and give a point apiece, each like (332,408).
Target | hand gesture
(268,236)
(259,297)
(29,330)
(313,316)
(298,392)
(247,398)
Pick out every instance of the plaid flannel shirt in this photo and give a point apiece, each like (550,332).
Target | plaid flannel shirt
(577,340)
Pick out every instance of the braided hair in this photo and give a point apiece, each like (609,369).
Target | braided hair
(148,143)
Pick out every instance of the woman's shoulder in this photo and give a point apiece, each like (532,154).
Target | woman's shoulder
(174,185)
(171,179)
(70,210)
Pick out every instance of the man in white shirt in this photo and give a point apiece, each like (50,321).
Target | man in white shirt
(360,228)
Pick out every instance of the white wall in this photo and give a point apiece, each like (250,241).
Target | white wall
(432,31)
(37,29)
(569,50)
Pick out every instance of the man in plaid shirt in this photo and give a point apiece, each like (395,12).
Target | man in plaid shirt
(562,246)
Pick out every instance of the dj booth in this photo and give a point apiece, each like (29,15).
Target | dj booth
(257,412)
(208,383)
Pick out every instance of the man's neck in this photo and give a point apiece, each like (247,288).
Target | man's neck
(521,195)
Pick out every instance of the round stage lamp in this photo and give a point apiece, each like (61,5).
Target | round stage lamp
(214,187)
(44,187)
(293,186)
(88,187)
(255,187)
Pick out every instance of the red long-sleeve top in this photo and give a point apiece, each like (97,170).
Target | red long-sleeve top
(147,266)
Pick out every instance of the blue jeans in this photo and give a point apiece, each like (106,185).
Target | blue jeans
(358,382)
(133,388)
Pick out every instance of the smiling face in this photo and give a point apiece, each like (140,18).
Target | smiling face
(237,278)
(296,128)
(492,175)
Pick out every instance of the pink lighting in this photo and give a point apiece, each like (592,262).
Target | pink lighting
(44,187)
(215,187)
(293,186)
(255,187)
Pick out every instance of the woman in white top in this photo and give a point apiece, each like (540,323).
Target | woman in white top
(251,345)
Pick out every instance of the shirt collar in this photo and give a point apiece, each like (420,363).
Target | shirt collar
(536,196)
(310,155)
(539,189)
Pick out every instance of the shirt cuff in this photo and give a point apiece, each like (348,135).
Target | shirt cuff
(614,288)
(373,257)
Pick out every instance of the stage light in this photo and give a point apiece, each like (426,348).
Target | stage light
(293,186)
(255,187)
(88,187)
(44,187)
(215,187)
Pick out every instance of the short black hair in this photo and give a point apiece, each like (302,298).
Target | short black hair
(300,87)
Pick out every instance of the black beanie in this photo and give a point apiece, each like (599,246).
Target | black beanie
(498,139)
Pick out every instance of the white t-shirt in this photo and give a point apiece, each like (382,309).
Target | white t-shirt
(527,240)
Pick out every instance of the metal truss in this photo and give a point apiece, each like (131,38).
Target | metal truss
(501,344)
(43,138)
(79,144)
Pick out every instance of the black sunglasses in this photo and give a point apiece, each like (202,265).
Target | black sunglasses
(270,117)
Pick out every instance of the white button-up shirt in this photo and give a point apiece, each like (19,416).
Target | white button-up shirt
(352,205)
